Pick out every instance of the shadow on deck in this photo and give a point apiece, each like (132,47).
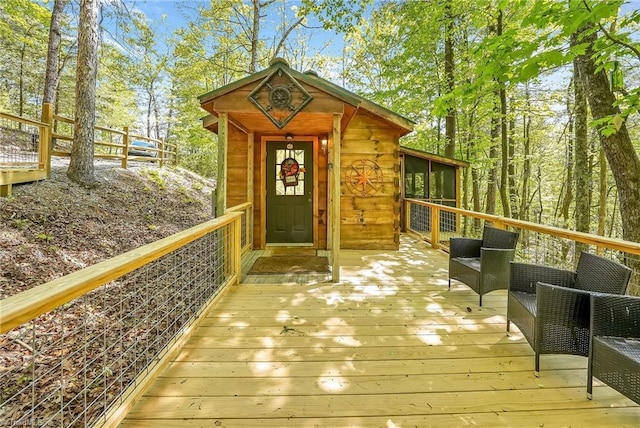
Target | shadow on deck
(388,346)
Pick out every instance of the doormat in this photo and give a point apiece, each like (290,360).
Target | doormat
(286,264)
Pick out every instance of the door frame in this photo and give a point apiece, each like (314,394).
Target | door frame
(263,181)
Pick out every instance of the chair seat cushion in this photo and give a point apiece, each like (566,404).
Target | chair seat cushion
(527,300)
(470,262)
(630,348)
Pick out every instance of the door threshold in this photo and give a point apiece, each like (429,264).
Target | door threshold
(310,245)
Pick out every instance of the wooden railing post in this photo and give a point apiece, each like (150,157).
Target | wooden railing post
(407,215)
(221,176)
(45,144)
(236,248)
(498,224)
(161,153)
(435,227)
(125,149)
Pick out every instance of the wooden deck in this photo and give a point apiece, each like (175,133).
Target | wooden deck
(389,346)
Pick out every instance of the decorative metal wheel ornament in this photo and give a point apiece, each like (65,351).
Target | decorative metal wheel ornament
(280,97)
(364,178)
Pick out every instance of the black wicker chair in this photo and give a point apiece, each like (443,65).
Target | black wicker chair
(551,306)
(483,264)
(614,350)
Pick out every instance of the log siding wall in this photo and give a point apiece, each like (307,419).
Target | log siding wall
(371,222)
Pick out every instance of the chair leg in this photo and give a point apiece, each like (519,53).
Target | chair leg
(449,283)
(590,375)
(537,369)
(508,327)
(480,304)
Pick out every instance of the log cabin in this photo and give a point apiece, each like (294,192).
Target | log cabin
(320,164)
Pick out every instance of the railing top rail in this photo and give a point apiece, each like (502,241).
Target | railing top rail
(62,119)
(113,131)
(587,238)
(21,119)
(23,307)
(240,207)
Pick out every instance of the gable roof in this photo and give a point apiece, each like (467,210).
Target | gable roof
(312,79)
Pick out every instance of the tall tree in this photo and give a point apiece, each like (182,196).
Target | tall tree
(513,186)
(449,72)
(581,143)
(504,141)
(526,155)
(23,35)
(567,197)
(81,169)
(55,34)
(617,145)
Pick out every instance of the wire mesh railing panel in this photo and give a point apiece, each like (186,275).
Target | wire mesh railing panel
(420,222)
(420,218)
(19,144)
(244,232)
(70,365)
(534,246)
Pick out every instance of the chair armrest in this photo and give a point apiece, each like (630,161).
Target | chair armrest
(615,315)
(559,305)
(464,247)
(524,277)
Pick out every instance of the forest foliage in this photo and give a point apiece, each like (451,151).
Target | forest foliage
(494,82)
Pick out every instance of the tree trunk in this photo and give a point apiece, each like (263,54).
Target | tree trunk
(618,148)
(450,120)
(55,34)
(602,201)
(21,84)
(490,206)
(81,168)
(513,185)
(504,144)
(255,32)
(582,167)
(526,165)
(156,117)
(475,179)
(567,198)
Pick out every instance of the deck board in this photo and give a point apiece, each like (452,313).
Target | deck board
(389,346)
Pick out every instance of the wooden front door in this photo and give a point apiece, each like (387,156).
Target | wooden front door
(289,192)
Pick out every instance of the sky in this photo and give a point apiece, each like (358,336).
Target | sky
(177,13)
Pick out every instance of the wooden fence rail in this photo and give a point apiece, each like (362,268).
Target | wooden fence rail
(54,136)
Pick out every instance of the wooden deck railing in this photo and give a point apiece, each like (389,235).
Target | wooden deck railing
(26,147)
(24,154)
(538,243)
(247,224)
(89,341)
(113,143)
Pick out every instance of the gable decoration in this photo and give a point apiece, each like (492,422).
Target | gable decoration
(280,97)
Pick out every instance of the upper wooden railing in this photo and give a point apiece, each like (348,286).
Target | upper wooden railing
(112,143)
(26,146)
(549,245)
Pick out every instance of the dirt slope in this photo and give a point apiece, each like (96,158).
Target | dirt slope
(54,227)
